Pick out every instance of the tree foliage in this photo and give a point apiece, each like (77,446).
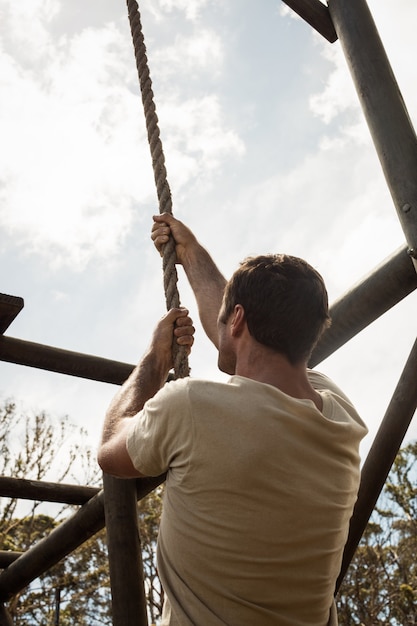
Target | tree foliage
(77,589)
(380,586)
(150,509)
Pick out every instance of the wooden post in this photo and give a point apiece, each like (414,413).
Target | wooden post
(386,114)
(125,555)
(382,454)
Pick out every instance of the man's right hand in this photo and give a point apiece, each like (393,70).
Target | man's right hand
(205,279)
(165,225)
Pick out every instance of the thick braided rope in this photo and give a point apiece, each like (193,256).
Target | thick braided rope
(181,368)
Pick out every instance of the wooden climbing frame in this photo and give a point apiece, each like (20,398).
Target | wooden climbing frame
(396,144)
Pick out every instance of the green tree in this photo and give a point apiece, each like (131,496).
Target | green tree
(77,589)
(380,586)
(37,447)
(150,509)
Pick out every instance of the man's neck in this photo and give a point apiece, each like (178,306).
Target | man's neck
(267,366)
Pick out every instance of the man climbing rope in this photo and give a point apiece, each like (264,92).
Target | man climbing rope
(262,471)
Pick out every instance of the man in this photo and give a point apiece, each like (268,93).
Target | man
(263,470)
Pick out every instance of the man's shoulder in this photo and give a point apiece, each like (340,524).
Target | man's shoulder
(321,382)
(188,385)
(335,400)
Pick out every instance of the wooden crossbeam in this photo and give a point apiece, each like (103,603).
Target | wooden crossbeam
(45,491)
(62,361)
(10,307)
(316,14)
(374,295)
(63,540)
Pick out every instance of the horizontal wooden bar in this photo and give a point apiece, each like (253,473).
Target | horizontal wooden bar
(316,14)
(62,361)
(45,491)
(10,307)
(63,540)
(374,295)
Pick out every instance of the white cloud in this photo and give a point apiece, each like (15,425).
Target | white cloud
(190,8)
(24,23)
(338,95)
(189,56)
(195,128)
(286,11)
(66,132)
(78,158)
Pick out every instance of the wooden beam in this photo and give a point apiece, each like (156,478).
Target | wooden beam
(125,552)
(61,361)
(373,296)
(63,540)
(10,307)
(384,108)
(45,491)
(8,556)
(316,14)
(382,455)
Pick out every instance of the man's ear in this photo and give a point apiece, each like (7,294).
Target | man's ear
(238,320)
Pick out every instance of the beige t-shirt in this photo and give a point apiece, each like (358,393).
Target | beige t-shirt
(259,493)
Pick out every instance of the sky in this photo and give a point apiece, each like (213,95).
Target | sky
(266,149)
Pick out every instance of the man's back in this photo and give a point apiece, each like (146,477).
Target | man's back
(259,493)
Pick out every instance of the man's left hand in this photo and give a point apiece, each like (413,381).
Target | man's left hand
(175,325)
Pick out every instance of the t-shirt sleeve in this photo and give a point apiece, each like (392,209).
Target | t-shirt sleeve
(320,382)
(323,383)
(160,435)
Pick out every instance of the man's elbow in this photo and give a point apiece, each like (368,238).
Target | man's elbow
(111,464)
(108,463)
(105,461)
(101,458)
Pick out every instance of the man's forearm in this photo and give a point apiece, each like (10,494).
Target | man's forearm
(143,383)
(208,285)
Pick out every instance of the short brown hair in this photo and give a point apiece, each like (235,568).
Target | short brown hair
(285,302)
